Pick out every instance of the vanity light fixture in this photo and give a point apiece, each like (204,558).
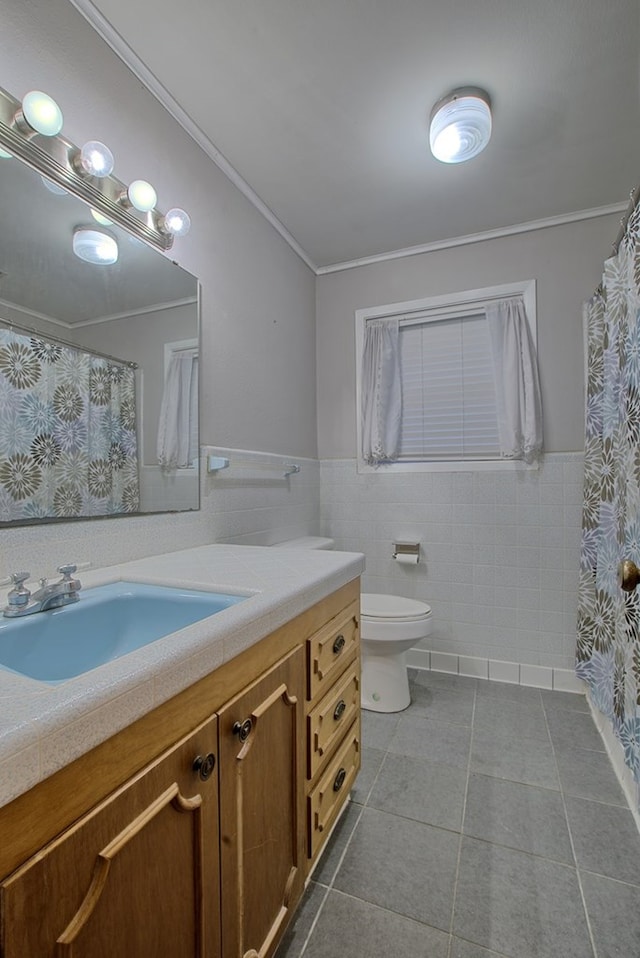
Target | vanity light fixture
(94,159)
(142,196)
(85,173)
(175,222)
(460,126)
(95,246)
(39,113)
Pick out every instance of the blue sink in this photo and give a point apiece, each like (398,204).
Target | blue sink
(107,622)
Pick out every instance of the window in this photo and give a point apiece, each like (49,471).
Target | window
(452,407)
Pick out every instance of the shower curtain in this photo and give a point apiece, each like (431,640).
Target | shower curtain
(608,651)
(67,432)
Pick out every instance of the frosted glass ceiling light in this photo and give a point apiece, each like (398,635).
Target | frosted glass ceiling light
(94,246)
(176,222)
(142,195)
(40,113)
(460,125)
(94,159)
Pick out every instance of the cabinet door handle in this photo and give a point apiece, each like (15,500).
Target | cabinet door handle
(339,779)
(243,729)
(204,765)
(339,644)
(339,709)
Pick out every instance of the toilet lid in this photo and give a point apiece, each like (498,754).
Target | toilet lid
(392,607)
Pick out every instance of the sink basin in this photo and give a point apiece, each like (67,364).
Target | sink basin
(107,622)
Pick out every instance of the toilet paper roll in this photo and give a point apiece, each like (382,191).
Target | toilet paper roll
(406,558)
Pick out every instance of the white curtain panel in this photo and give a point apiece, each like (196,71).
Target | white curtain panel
(381,392)
(517,383)
(176,428)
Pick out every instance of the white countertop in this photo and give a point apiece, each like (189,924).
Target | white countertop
(43,727)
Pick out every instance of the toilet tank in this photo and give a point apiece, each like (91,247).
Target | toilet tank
(305,542)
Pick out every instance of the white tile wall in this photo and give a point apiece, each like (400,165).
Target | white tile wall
(499,552)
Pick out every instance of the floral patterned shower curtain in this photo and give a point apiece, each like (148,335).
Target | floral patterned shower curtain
(608,654)
(67,432)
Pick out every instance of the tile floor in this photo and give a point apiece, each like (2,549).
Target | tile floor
(486,822)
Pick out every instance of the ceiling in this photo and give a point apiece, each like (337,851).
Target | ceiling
(320,109)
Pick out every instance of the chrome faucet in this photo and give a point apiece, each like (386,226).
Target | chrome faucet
(52,595)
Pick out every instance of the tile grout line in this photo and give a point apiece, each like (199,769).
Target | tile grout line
(573,849)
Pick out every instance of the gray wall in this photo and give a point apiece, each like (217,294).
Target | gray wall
(566,262)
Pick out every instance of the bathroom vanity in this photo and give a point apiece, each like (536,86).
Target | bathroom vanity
(191,830)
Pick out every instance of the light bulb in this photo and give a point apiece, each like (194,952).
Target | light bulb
(176,222)
(101,218)
(142,195)
(460,125)
(42,113)
(95,159)
(94,246)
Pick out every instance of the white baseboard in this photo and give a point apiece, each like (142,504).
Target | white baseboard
(536,676)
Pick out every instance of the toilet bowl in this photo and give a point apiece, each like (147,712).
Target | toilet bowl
(390,625)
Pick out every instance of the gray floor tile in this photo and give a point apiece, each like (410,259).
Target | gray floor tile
(372,759)
(378,728)
(519,905)
(524,817)
(420,790)
(326,868)
(504,716)
(564,700)
(529,761)
(466,949)
(404,866)
(351,928)
(614,914)
(589,774)
(606,839)
(442,704)
(433,741)
(296,934)
(444,680)
(572,729)
(512,693)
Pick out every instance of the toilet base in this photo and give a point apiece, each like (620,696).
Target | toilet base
(385,682)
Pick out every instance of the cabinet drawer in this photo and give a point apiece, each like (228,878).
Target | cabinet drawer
(329,649)
(331,717)
(327,798)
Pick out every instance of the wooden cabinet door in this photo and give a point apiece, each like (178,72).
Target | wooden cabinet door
(262,808)
(138,877)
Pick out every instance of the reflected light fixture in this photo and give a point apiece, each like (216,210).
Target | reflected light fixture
(176,222)
(4,155)
(460,126)
(142,195)
(54,188)
(94,246)
(40,113)
(101,219)
(94,159)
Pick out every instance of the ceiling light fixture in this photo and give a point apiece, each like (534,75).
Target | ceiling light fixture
(39,113)
(175,222)
(141,195)
(95,247)
(94,159)
(460,126)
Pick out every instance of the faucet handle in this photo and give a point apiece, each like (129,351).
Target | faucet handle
(19,595)
(67,570)
(18,578)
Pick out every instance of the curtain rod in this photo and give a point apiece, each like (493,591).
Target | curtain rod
(634,199)
(20,328)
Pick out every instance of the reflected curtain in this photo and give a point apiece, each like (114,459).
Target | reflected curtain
(67,431)
(381,400)
(178,421)
(515,368)
(608,652)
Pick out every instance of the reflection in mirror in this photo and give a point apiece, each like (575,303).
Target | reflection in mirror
(135,321)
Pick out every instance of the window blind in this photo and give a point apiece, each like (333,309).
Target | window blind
(448,390)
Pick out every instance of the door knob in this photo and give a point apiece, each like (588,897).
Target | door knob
(628,575)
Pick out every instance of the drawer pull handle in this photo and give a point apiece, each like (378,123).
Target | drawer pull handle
(339,644)
(204,765)
(243,729)
(339,779)
(338,712)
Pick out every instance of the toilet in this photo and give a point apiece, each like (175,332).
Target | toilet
(390,625)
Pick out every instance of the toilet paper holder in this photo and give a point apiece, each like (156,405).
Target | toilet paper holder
(407,550)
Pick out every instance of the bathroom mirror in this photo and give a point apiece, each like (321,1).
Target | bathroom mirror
(142,310)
